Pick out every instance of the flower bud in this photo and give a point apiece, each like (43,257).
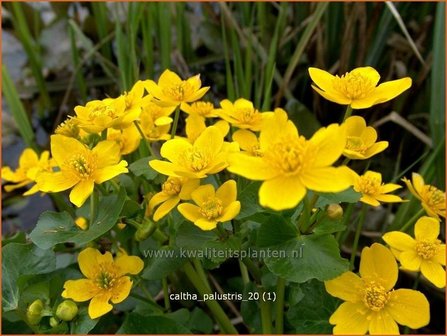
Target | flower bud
(67,310)
(121,226)
(34,312)
(54,322)
(81,223)
(147,228)
(334,211)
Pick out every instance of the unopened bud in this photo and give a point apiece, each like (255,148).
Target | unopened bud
(67,310)
(54,322)
(147,228)
(334,211)
(81,223)
(121,226)
(34,312)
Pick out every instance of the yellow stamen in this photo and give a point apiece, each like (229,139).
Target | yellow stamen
(290,155)
(375,296)
(426,250)
(179,92)
(172,186)
(212,208)
(353,85)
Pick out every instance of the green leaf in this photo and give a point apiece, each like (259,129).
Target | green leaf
(163,262)
(190,236)
(326,225)
(82,324)
(141,168)
(307,257)
(200,322)
(218,251)
(20,260)
(346,196)
(248,197)
(153,324)
(311,314)
(274,231)
(58,227)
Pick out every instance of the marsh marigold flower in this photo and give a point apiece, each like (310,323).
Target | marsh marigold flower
(174,190)
(373,190)
(432,199)
(207,155)
(248,142)
(128,138)
(171,90)
(81,167)
(155,121)
(242,114)
(291,164)
(357,88)
(30,166)
(195,125)
(201,108)
(213,206)
(361,140)
(423,253)
(106,280)
(371,305)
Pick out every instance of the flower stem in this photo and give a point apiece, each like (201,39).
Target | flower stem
(348,112)
(217,311)
(266,315)
(280,290)
(244,272)
(164,283)
(93,206)
(174,125)
(341,235)
(143,137)
(412,220)
(360,222)
(201,272)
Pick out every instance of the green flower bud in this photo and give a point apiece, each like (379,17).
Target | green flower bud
(67,310)
(54,322)
(34,312)
(146,229)
(334,211)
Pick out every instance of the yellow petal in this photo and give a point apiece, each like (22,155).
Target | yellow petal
(418,182)
(389,187)
(327,179)
(156,200)
(168,78)
(377,263)
(369,73)
(231,211)
(426,228)
(187,188)
(367,199)
(88,262)
(165,208)
(440,255)
(80,290)
(333,96)
(153,88)
(376,149)
(55,182)
(355,126)
(274,125)
(129,264)
(247,140)
(206,224)
(81,192)
(203,193)
(399,240)
(434,272)
(164,167)
(281,193)
(253,168)
(107,173)
(382,323)
(175,149)
(369,136)
(198,94)
(329,144)
(195,125)
(410,260)
(28,159)
(107,152)
(409,308)
(389,198)
(227,192)
(121,289)
(190,211)
(100,305)
(322,78)
(350,319)
(347,287)
(210,141)
(62,148)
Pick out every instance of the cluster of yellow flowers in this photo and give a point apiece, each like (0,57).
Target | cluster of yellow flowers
(265,146)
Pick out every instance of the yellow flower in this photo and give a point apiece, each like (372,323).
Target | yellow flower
(81,167)
(248,142)
(432,199)
(106,280)
(155,121)
(30,166)
(213,206)
(128,138)
(171,90)
(134,99)
(373,190)
(207,155)
(98,115)
(82,223)
(174,190)
(361,140)
(291,164)
(425,253)
(195,125)
(69,127)
(203,109)
(242,114)
(357,88)
(371,304)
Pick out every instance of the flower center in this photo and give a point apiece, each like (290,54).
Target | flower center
(179,91)
(353,85)
(172,186)
(212,208)
(356,144)
(203,108)
(102,110)
(290,155)
(247,115)
(105,280)
(375,296)
(196,160)
(434,197)
(82,165)
(367,185)
(427,249)
(68,128)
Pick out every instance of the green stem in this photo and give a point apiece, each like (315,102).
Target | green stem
(280,291)
(266,315)
(244,273)
(217,311)
(174,125)
(143,138)
(164,283)
(253,269)
(303,222)
(412,220)
(355,244)
(201,272)
(93,206)
(347,216)
(348,112)
(114,185)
